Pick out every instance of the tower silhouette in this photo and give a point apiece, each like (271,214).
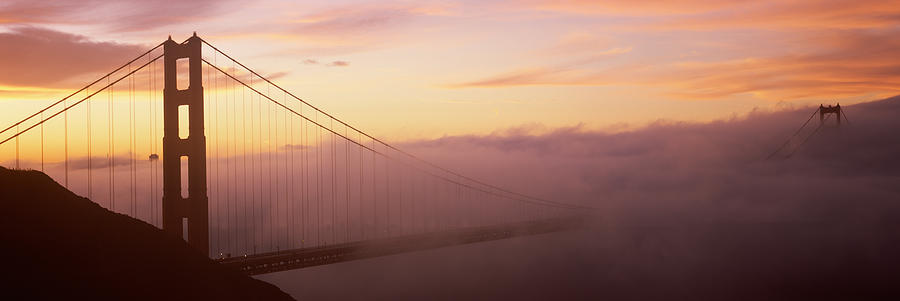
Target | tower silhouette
(190,211)
(823,110)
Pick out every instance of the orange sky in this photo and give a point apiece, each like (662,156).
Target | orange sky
(424,69)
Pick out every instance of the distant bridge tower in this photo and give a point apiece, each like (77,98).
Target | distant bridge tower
(189,211)
(823,110)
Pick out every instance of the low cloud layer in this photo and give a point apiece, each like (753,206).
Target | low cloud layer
(670,165)
(690,212)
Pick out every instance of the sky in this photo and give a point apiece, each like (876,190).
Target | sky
(407,70)
(660,113)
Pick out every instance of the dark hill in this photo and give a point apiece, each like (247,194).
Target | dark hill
(57,245)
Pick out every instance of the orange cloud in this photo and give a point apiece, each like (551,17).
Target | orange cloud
(849,63)
(33,56)
(857,62)
(578,42)
(783,15)
(361,18)
(346,29)
(573,73)
(632,7)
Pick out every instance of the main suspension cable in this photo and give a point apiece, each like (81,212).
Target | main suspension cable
(397,149)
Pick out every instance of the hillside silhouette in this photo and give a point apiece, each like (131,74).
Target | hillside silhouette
(58,245)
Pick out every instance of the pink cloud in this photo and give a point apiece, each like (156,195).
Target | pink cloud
(353,20)
(842,63)
(783,15)
(339,64)
(31,56)
(636,8)
(131,15)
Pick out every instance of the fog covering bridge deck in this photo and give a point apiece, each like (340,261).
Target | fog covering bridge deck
(307,257)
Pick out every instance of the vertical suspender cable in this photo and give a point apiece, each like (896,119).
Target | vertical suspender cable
(65,143)
(228,186)
(333,182)
(260,161)
(276,174)
(88,123)
(244,157)
(387,192)
(318,182)
(287,203)
(288,147)
(42,142)
(252,172)
(17,146)
(131,136)
(112,148)
(347,182)
(304,161)
(151,94)
(234,155)
(230,141)
(362,232)
(374,192)
(400,201)
(293,182)
(277,177)
(215,103)
(269,164)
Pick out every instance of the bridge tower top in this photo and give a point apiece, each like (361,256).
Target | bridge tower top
(824,111)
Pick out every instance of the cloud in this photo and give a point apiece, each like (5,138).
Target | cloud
(639,8)
(725,14)
(288,147)
(332,64)
(127,16)
(277,75)
(352,20)
(568,74)
(82,163)
(690,211)
(854,63)
(781,15)
(582,165)
(579,42)
(844,63)
(831,49)
(537,76)
(351,28)
(31,56)
(339,64)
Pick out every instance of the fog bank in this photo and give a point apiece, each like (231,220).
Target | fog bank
(688,211)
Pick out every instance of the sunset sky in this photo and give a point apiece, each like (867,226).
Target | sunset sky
(424,69)
(670,132)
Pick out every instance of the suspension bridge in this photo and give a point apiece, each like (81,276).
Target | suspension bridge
(194,142)
(796,141)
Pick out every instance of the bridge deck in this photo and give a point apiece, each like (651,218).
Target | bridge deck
(307,257)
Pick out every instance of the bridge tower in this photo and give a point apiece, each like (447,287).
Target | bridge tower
(823,110)
(181,211)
